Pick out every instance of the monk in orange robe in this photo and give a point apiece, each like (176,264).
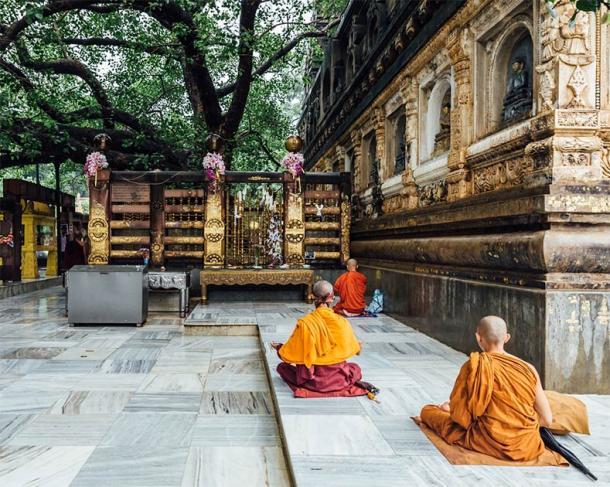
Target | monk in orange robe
(497,404)
(314,359)
(351,287)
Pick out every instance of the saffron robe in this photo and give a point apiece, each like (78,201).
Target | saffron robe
(491,409)
(351,287)
(314,357)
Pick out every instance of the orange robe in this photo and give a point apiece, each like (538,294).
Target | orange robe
(492,409)
(320,338)
(351,287)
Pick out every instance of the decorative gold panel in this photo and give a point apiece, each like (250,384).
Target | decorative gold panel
(294,231)
(241,277)
(345,228)
(214,231)
(98,235)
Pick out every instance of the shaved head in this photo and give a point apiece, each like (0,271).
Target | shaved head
(493,330)
(352,263)
(322,289)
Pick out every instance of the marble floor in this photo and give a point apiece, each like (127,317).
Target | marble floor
(123,406)
(150,406)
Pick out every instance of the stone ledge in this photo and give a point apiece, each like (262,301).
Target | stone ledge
(17,288)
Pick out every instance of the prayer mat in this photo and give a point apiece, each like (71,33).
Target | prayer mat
(456,455)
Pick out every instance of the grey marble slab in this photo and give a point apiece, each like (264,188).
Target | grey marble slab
(236,382)
(137,353)
(343,435)
(119,366)
(234,402)
(56,430)
(30,402)
(81,353)
(163,403)
(41,466)
(147,466)
(235,467)
(11,424)
(148,429)
(33,353)
(235,430)
(112,382)
(169,383)
(90,402)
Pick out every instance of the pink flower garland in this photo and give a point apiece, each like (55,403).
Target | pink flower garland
(213,165)
(293,162)
(95,162)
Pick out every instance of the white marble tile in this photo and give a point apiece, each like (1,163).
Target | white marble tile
(172,383)
(151,429)
(235,467)
(333,435)
(56,430)
(30,402)
(146,466)
(236,382)
(90,402)
(85,353)
(235,430)
(36,466)
(113,382)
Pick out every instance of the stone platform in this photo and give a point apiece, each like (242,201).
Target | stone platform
(126,406)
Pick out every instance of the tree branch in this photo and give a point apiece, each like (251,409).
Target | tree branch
(75,68)
(159,49)
(244,68)
(279,54)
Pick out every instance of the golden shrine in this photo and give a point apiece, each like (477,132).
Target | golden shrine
(265,225)
(39,234)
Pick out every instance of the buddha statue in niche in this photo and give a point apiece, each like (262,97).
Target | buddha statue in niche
(518,99)
(441,139)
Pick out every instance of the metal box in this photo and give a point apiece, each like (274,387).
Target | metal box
(107,294)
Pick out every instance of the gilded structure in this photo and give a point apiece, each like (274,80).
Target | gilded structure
(487,126)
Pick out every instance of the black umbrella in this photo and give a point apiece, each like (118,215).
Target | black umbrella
(552,444)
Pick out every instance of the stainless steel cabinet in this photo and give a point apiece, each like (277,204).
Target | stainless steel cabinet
(107,294)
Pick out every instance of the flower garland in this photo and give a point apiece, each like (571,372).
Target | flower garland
(95,161)
(213,165)
(293,163)
(274,240)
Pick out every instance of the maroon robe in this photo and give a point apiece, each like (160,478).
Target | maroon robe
(337,380)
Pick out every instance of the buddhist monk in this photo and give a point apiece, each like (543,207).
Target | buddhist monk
(497,404)
(314,357)
(351,287)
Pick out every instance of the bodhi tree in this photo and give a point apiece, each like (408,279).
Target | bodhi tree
(155,75)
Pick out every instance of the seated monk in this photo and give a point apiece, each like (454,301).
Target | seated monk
(314,357)
(351,287)
(497,404)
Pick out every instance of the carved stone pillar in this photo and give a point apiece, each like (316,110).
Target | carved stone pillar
(99,218)
(356,137)
(379,127)
(459,179)
(340,151)
(567,94)
(408,92)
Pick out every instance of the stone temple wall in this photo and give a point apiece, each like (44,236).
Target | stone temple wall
(481,168)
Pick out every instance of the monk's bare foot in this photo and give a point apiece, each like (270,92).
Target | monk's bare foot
(275,345)
(445,406)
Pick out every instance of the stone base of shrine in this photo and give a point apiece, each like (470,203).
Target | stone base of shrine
(8,290)
(564,332)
